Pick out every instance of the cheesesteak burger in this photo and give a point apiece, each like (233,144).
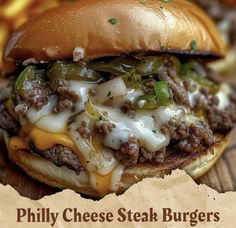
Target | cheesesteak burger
(105,93)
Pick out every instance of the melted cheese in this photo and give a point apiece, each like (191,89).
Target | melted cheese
(131,96)
(46,129)
(46,120)
(44,140)
(17,143)
(116,87)
(145,126)
(104,184)
(222,94)
(57,123)
(34,115)
(101,183)
(98,157)
(101,163)
(82,88)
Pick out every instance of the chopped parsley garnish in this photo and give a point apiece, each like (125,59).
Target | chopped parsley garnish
(100,118)
(193,45)
(113,21)
(109,94)
(161,7)
(142,2)
(154,131)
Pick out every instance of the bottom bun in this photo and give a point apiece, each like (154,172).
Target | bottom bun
(61,177)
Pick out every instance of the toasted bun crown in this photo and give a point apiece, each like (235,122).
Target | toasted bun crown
(113,27)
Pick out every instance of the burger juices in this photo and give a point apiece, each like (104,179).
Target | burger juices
(102,121)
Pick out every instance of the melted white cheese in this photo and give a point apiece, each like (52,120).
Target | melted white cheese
(110,89)
(46,120)
(54,122)
(222,94)
(131,96)
(82,88)
(145,126)
(101,159)
(193,96)
(35,115)
(164,114)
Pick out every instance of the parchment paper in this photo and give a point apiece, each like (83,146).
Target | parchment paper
(177,191)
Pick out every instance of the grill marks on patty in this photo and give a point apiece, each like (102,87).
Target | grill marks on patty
(60,156)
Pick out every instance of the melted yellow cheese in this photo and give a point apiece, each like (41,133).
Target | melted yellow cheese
(17,143)
(101,183)
(44,140)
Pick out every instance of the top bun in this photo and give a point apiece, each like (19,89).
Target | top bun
(113,27)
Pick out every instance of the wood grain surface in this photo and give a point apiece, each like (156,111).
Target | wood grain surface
(221,177)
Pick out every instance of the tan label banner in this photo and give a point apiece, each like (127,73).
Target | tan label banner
(176,201)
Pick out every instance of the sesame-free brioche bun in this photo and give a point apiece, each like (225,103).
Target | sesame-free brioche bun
(61,177)
(114,27)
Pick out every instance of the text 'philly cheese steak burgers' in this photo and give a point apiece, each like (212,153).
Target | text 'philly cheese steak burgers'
(105,93)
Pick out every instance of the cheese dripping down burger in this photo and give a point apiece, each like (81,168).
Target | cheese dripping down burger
(105,93)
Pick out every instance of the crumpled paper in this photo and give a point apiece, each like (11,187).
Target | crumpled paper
(177,192)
